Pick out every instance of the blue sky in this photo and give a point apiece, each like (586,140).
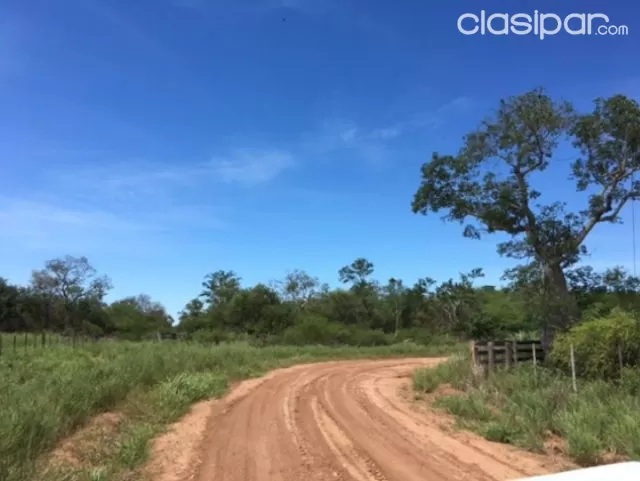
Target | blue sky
(167,139)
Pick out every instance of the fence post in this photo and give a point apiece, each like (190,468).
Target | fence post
(491,355)
(573,370)
(474,359)
(508,354)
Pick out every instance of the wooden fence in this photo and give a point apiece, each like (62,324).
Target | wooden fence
(493,354)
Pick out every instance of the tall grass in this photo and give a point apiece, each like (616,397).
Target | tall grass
(528,406)
(47,393)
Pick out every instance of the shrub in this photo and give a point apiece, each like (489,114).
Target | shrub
(208,336)
(457,372)
(369,337)
(315,329)
(597,343)
(425,337)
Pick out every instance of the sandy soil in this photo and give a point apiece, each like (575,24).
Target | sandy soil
(337,421)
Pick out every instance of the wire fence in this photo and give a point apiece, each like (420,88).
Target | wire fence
(13,342)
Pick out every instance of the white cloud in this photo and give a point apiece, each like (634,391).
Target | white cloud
(135,202)
(374,144)
(36,225)
(386,133)
(138,180)
(349,131)
(251,167)
(64,225)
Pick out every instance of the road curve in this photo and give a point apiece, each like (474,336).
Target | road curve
(345,421)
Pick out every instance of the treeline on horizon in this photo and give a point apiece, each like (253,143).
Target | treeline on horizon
(67,296)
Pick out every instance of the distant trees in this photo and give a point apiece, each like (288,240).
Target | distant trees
(69,296)
(297,307)
(67,282)
(136,317)
(219,287)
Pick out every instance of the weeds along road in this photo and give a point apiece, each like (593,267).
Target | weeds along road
(338,421)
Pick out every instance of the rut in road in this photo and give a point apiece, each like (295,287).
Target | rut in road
(342,421)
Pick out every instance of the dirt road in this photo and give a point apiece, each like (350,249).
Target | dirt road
(341,421)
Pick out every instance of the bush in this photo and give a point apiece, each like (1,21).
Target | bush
(315,329)
(318,330)
(369,337)
(597,343)
(525,406)
(425,337)
(207,336)
(456,372)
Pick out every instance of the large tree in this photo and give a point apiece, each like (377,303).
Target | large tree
(69,280)
(488,185)
(299,287)
(357,273)
(220,287)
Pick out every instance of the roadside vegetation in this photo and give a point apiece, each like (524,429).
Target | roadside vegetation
(46,394)
(537,408)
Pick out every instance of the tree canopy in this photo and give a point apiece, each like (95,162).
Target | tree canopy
(488,186)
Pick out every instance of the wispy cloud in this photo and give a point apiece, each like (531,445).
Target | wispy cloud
(36,225)
(344,136)
(251,167)
(57,224)
(136,203)
(242,167)
(374,144)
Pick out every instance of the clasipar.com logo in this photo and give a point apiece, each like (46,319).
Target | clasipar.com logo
(539,24)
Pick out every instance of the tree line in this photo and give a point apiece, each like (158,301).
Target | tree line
(68,296)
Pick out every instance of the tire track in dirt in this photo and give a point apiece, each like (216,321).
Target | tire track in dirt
(345,421)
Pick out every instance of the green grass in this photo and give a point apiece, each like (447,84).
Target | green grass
(525,407)
(47,393)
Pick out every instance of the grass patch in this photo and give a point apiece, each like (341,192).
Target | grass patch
(456,372)
(470,407)
(47,393)
(527,407)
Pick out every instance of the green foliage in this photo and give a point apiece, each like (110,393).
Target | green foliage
(210,336)
(488,184)
(598,344)
(45,394)
(316,329)
(526,406)
(471,407)
(300,311)
(174,395)
(456,372)
(137,317)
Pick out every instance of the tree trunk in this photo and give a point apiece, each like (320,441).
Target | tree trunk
(397,326)
(561,310)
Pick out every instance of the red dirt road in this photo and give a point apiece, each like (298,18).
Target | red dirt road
(338,421)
